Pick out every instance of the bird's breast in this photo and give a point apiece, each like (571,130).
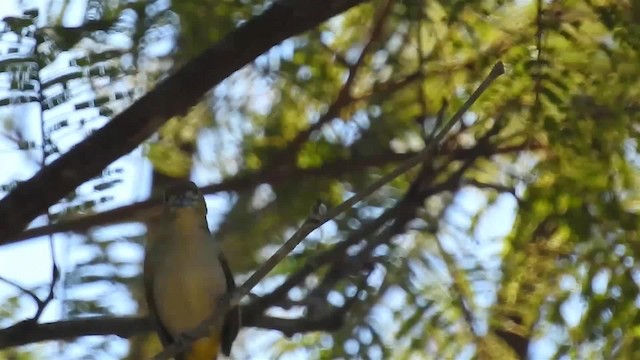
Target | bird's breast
(188,280)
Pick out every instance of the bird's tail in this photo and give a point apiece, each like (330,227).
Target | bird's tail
(204,349)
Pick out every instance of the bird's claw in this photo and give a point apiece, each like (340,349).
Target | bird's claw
(184,340)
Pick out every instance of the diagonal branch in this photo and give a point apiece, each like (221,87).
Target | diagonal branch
(22,289)
(343,264)
(421,188)
(172,97)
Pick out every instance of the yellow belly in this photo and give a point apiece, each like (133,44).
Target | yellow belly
(205,348)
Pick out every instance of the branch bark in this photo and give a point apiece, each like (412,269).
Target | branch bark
(28,332)
(172,97)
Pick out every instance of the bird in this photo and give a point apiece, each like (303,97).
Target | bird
(185,273)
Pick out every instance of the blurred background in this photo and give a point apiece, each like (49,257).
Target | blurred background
(516,239)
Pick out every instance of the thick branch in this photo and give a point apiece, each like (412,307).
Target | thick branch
(172,97)
(28,332)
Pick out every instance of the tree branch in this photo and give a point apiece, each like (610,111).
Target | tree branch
(139,211)
(28,332)
(170,98)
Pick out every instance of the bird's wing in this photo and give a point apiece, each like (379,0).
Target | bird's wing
(232,319)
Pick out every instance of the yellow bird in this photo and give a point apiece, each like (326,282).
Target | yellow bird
(185,273)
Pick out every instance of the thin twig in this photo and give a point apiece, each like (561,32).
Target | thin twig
(497,187)
(312,223)
(21,288)
(42,304)
(402,214)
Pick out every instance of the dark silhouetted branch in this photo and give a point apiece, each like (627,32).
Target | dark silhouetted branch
(28,332)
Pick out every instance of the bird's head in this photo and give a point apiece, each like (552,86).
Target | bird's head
(184,195)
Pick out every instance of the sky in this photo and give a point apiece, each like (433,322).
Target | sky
(29,262)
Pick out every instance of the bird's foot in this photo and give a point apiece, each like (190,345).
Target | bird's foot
(184,341)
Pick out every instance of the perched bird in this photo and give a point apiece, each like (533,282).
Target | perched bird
(185,273)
